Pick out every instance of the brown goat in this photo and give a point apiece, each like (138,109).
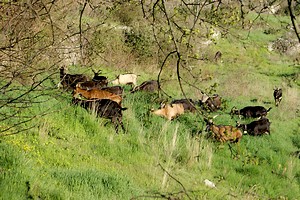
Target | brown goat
(118,90)
(224,133)
(212,103)
(147,86)
(96,94)
(169,111)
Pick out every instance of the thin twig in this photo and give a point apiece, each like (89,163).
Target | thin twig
(185,192)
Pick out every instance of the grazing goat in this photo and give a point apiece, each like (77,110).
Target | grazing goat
(218,56)
(124,79)
(188,104)
(88,85)
(277,95)
(104,108)
(224,133)
(147,86)
(169,111)
(96,94)
(250,111)
(102,79)
(96,82)
(69,81)
(259,127)
(212,103)
(118,90)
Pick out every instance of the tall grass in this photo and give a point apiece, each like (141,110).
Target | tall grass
(74,155)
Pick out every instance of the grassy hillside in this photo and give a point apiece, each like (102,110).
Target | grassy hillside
(69,153)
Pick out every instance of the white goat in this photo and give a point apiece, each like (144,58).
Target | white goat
(124,79)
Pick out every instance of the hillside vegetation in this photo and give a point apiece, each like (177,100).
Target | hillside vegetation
(51,149)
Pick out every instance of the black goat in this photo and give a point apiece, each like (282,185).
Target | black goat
(104,108)
(69,81)
(188,104)
(251,111)
(97,82)
(88,85)
(277,96)
(97,78)
(259,127)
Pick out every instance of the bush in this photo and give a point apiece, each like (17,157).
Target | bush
(138,42)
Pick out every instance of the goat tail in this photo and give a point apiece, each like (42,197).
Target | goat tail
(269,109)
(124,108)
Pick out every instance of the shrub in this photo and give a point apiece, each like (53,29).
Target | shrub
(139,43)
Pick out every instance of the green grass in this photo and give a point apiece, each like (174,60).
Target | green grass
(72,154)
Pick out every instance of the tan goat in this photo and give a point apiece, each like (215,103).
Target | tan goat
(224,133)
(96,94)
(169,111)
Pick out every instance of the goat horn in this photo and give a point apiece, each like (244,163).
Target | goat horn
(215,116)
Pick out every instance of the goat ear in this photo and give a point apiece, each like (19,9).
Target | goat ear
(208,120)
(162,105)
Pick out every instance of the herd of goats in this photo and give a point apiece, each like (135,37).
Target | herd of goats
(95,95)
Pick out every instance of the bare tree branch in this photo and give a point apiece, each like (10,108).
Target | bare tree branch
(182,186)
(293,19)
(80,28)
